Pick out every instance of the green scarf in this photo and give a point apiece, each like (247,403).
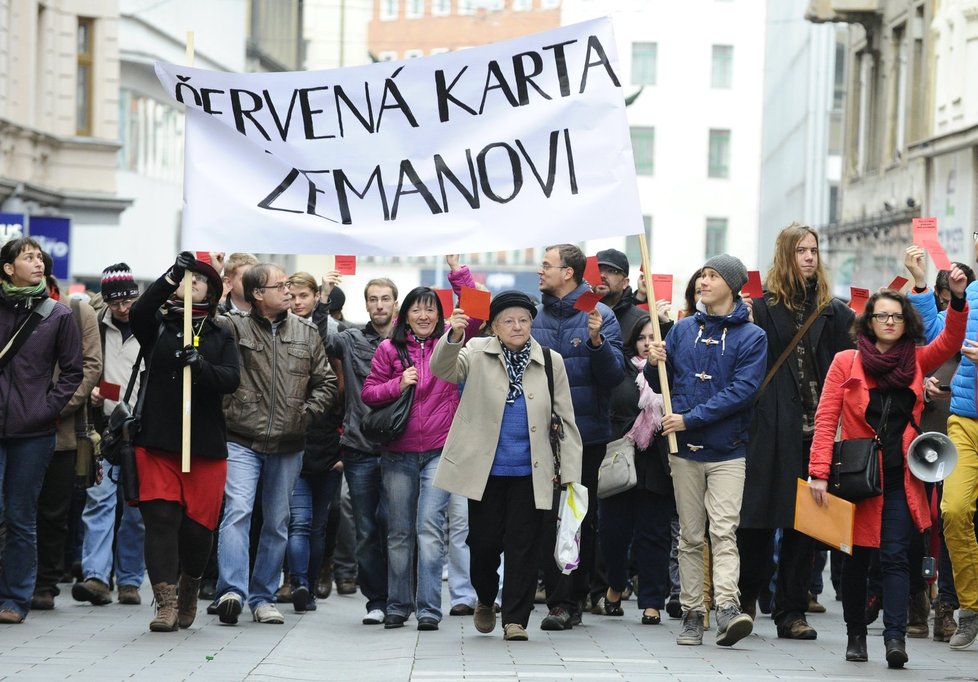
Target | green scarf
(24,292)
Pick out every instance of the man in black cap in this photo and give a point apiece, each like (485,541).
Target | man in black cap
(617,293)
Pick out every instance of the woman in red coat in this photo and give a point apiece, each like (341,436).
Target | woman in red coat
(883,378)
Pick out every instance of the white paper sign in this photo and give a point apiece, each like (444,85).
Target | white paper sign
(516,144)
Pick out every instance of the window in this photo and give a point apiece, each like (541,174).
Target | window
(388,10)
(466,7)
(387,56)
(414,9)
(83,84)
(441,8)
(522,5)
(644,57)
(716,237)
(413,54)
(719,164)
(151,137)
(643,148)
(722,75)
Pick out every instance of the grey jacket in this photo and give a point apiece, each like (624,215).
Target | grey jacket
(355,348)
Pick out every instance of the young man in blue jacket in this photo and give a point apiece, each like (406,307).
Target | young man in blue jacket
(715,361)
(590,344)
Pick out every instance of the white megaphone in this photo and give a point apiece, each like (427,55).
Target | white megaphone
(932,457)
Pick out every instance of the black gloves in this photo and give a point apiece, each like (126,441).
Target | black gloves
(185,261)
(189,357)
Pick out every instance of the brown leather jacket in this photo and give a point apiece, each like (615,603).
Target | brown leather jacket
(285,379)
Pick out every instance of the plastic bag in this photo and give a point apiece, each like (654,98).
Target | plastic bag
(570,516)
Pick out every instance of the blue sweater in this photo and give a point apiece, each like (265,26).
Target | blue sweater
(513,449)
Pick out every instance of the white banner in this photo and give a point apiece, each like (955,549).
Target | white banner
(512,145)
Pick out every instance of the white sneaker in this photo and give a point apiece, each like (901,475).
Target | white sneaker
(374,617)
(267,613)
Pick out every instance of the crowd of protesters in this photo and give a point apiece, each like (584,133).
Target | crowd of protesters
(287,489)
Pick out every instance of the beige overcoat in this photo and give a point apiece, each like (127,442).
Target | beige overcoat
(468,453)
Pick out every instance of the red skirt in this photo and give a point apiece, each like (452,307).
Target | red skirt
(200,491)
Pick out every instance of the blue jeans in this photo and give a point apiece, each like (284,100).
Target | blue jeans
(98,519)
(895,536)
(277,474)
(362,472)
(23,462)
(459,585)
(416,521)
(308,511)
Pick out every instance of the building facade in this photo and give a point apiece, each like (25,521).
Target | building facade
(59,118)
(804,104)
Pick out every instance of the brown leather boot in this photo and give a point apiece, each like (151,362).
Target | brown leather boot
(187,591)
(165,596)
(917,615)
(944,624)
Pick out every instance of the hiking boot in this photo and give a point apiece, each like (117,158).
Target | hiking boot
(917,615)
(165,596)
(92,590)
(896,653)
(229,608)
(558,619)
(484,618)
(732,625)
(813,604)
(964,635)
(514,632)
(324,583)
(187,590)
(346,586)
(692,632)
(129,594)
(797,629)
(42,601)
(944,625)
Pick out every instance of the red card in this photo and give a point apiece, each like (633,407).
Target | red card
(447,298)
(924,230)
(109,391)
(754,288)
(345,265)
(587,301)
(857,299)
(644,306)
(591,271)
(203,257)
(897,283)
(475,303)
(937,254)
(662,287)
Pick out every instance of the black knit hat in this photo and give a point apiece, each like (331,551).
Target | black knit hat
(510,299)
(118,283)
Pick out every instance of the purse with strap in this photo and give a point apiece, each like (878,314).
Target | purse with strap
(854,474)
(381,425)
(617,471)
(556,423)
(88,451)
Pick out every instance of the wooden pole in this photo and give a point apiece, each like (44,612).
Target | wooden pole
(657,334)
(188,328)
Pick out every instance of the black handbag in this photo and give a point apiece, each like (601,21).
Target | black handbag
(122,424)
(855,471)
(381,425)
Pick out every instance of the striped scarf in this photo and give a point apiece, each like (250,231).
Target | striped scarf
(516,362)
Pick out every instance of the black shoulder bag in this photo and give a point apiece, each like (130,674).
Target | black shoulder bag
(556,423)
(381,425)
(855,471)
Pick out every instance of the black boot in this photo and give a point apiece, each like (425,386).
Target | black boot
(856,649)
(896,652)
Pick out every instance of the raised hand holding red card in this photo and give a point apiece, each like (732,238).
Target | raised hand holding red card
(475,303)
(857,299)
(662,287)
(754,288)
(592,273)
(345,265)
(587,301)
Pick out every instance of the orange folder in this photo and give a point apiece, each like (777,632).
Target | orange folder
(831,524)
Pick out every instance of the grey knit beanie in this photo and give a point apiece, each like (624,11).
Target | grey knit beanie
(730,269)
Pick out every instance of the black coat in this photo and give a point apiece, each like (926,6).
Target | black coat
(162,414)
(774,456)
(651,464)
(323,434)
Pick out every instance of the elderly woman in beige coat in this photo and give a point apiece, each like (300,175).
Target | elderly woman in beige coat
(498,452)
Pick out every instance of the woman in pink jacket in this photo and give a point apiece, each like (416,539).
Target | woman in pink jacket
(415,507)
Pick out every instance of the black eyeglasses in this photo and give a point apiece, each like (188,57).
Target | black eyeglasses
(281,286)
(885,317)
